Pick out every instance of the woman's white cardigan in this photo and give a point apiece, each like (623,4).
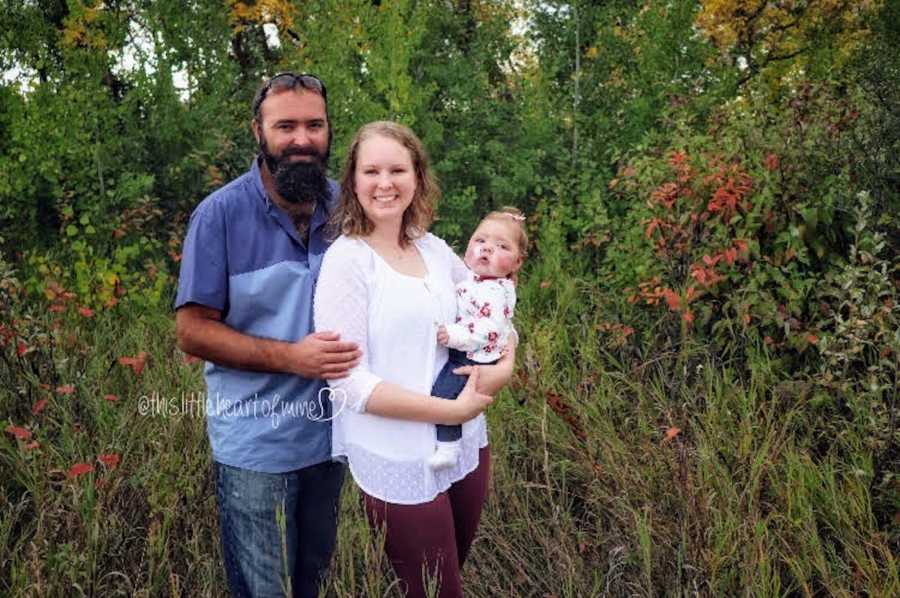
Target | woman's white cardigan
(394,318)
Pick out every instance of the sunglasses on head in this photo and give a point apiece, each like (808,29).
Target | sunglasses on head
(289,80)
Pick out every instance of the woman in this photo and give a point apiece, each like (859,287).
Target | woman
(387,284)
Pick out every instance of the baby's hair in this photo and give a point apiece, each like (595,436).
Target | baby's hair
(515,217)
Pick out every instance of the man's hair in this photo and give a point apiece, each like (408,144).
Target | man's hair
(289,81)
(349,217)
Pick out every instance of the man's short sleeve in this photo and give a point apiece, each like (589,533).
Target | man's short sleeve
(204,259)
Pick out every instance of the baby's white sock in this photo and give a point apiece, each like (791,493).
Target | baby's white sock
(446,455)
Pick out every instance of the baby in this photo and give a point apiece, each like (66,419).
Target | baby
(485,304)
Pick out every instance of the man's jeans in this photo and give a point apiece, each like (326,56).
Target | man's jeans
(278,530)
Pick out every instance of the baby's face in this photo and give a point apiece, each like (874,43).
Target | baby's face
(493,251)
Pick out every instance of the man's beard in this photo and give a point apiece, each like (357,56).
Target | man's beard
(298,181)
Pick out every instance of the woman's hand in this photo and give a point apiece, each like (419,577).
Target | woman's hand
(470,402)
(493,377)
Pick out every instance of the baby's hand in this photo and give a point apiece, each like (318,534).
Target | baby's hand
(442,337)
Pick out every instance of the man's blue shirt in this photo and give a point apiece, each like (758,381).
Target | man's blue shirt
(243,256)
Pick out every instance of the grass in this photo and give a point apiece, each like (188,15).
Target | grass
(594,492)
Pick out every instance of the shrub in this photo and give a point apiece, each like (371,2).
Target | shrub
(729,230)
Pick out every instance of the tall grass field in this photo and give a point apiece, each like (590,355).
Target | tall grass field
(685,474)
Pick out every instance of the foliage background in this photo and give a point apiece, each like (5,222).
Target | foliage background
(706,398)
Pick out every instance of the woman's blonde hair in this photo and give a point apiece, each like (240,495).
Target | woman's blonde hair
(516,218)
(349,217)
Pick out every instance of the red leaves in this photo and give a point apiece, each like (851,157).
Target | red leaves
(564,411)
(87,312)
(730,256)
(650,291)
(652,225)
(672,299)
(38,406)
(705,276)
(671,433)
(110,460)
(19,432)
(110,398)
(711,260)
(21,348)
(653,293)
(79,469)
(619,333)
(23,434)
(136,363)
(683,170)
(732,187)
(65,389)
(678,159)
(6,334)
(666,194)
(53,290)
(708,276)
(772,162)
(724,200)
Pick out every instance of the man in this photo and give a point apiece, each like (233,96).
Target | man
(249,265)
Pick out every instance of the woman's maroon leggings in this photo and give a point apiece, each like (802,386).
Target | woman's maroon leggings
(433,536)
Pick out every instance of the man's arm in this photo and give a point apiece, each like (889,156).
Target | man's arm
(200,331)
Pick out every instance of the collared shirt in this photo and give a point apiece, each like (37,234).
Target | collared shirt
(243,256)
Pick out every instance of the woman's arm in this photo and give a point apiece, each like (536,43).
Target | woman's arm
(390,400)
(341,303)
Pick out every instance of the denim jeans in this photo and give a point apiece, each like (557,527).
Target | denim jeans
(448,386)
(278,529)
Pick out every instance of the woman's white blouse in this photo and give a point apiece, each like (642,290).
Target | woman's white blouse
(394,319)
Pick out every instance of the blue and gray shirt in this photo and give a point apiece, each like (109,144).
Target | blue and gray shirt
(243,256)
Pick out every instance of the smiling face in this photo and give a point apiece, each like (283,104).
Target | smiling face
(293,136)
(384,180)
(493,251)
(293,127)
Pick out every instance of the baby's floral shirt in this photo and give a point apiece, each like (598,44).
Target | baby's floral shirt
(484,317)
